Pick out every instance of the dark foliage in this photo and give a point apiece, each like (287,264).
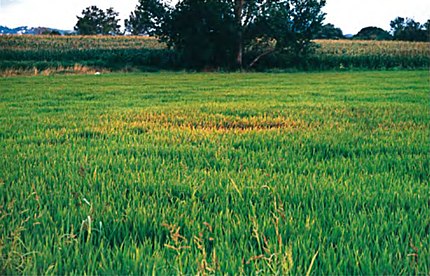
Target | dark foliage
(409,30)
(329,31)
(203,32)
(373,33)
(147,18)
(227,33)
(96,21)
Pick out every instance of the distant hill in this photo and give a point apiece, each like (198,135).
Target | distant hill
(30,30)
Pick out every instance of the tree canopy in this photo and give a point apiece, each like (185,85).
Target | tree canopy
(96,21)
(409,30)
(373,33)
(147,18)
(230,33)
(329,31)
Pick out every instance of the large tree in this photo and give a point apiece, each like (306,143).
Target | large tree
(96,21)
(203,32)
(227,32)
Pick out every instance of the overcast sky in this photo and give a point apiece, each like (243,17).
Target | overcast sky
(349,15)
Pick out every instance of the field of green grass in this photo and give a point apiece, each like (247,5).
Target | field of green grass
(174,173)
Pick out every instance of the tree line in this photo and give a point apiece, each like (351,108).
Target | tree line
(237,33)
(402,29)
(95,21)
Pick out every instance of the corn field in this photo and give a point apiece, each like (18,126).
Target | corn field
(64,43)
(143,53)
(332,54)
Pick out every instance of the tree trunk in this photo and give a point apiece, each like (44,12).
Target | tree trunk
(260,56)
(238,8)
(239,55)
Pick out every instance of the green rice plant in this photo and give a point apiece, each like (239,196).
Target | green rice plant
(174,173)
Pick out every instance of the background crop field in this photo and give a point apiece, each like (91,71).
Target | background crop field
(62,53)
(172,173)
(127,53)
(368,54)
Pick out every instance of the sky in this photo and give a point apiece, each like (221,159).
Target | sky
(349,15)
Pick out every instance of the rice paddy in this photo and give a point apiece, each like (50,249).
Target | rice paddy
(174,173)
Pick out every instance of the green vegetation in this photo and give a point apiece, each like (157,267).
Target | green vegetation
(57,53)
(98,52)
(230,34)
(96,21)
(373,33)
(361,54)
(172,173)
(407,29)
(329,31)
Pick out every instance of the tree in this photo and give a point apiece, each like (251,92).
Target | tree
(408,29)
(397,26)
(203,32)
(283,26)
(110,22)
(269,27)
(329,31)
(200,30)
(426,27)
(96,21)
(373,33)
(147,18)
(50,32)
(227,32)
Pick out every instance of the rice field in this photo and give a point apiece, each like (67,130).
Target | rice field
(210,173)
